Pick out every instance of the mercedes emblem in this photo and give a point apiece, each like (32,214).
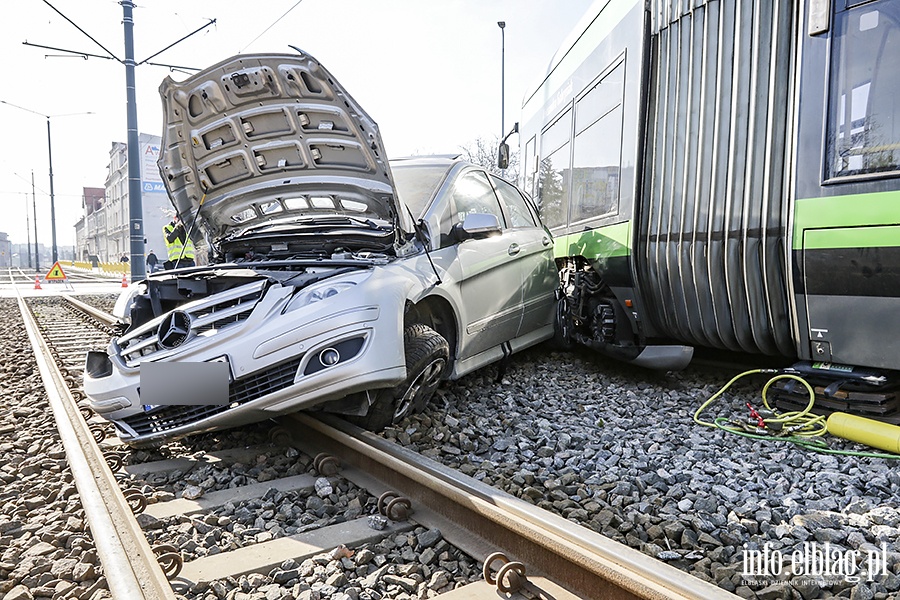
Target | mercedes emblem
(174,329)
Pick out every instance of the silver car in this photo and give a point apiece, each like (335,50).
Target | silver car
(336,281)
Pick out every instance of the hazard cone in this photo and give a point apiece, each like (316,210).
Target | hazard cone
(124,281)
(37,282)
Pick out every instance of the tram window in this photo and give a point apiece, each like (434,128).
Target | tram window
(554,188)
(557,134)
(864,104)
(553,172)
(595,172)
(601,99)
(598,148)
(529,167)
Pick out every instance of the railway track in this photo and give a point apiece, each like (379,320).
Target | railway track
(16,281)
(325,479)
(16,276)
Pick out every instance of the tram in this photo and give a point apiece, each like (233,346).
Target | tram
(725,174)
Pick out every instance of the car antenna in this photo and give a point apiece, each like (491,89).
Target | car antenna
(420,235)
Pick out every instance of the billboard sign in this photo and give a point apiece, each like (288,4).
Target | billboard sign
(150,179)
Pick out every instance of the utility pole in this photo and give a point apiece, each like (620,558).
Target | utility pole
(135,202)
(502,25)
(28,231)
(53,249)
(37,254)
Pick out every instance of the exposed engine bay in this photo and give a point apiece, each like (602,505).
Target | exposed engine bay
(164,292)
(307,238)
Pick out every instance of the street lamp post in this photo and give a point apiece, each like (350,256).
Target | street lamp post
(37,256)
(54,250)
(135,205)
(55,254)
(135,200)
(502,25)
(28,231)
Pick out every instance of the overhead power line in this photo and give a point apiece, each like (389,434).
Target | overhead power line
(270,26)
(89,36)
(136,228)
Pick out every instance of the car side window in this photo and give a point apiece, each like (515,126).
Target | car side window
(473,194)
(514,204)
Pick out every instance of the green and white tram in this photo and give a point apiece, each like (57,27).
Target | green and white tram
(725,174)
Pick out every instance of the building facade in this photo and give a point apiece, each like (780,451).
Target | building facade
(103,232)
(5,250)
(90,231)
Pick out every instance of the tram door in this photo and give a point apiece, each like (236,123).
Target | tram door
(850,236)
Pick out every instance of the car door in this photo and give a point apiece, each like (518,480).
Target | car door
(532,247)
(491,278)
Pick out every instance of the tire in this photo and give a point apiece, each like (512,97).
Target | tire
(427,356)
(562,326)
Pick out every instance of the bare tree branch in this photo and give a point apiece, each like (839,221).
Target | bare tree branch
(483,152)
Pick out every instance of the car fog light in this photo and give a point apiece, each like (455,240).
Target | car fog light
(329,357)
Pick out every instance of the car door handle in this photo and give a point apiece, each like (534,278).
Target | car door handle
(514,249)
(545,241)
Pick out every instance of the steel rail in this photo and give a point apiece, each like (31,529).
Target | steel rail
(98,314)
(129,564)
(575,557)
(480,519)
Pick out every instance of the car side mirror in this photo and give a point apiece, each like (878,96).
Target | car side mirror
(478,225)
(503,156)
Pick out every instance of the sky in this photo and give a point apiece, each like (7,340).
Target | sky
(427,71)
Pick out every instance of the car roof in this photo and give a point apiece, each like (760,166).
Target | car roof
(433,159)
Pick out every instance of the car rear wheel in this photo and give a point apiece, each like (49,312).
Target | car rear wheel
(427,354)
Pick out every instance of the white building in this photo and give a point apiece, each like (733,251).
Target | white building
(104,231)
(90,230)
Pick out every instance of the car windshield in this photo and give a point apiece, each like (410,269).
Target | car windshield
(417,184)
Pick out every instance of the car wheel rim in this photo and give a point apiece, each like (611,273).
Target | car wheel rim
(425,382)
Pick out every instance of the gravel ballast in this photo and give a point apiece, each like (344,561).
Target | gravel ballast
(46,549)
(45,542)
(605,445)
(615,449)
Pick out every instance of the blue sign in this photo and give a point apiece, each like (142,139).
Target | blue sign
(151,187)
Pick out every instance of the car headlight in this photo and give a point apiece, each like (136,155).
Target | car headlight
(122,308)
(321,291)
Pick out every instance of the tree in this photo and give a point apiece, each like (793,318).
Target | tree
(551,201)
(483,153)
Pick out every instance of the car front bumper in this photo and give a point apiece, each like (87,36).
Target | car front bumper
(275,368)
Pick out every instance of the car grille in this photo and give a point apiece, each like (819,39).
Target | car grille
(216,312)
(264,382)
(259,384)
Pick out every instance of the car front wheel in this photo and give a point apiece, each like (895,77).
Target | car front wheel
(427,354)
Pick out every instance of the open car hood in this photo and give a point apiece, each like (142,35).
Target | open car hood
(271,137)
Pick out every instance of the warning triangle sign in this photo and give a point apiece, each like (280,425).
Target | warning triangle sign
(55,272)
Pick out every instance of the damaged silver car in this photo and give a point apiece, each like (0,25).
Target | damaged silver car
(337,281)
